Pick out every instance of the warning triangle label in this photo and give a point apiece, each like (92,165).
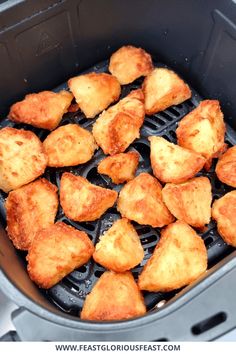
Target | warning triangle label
(46,43)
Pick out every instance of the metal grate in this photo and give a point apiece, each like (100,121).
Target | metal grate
(70,293)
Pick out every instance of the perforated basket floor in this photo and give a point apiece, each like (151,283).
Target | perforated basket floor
(70,293)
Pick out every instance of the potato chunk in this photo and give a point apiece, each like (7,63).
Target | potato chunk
(226,167)
(42,110)
(224,212)
(94,92)
(120,167)
(129,63)
(119,248)
(179,258)
(119,126)
(172,163)
(30,209)
(190,201)
(22,158)
(55,252)
(203,130)
(115,296)
(82,200)
(141,200)
(163,88)
(69,145)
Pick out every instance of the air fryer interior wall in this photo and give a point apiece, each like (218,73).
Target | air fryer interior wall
(195,38)
(43,43)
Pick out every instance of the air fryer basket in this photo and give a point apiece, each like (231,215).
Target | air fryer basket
(206,316)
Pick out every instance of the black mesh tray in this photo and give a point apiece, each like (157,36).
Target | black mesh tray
(69,294)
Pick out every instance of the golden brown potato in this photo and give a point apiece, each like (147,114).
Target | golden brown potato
(119,248)
(55,252)
(129,63)
(163,88)
(224,212)
(119,126)
(190,201)
(226,167)
(69,145)
(178,259)
(83,201)
(141,200)
(30,209)
(94,92)
(22,158)
(138,94)
(172,163)
(42,110)
(203,130)
(115,296)
(121,167)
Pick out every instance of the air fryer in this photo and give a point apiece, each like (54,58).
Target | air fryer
(42,45)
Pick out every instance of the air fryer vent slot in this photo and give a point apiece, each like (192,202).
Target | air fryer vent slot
(161,340)
(209,323)
(70,293)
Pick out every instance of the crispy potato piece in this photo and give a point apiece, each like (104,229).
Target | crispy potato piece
(163,88)
(69,145)
(190,201)
(115,296)
(30,209)
(42,110)
(141,200)
(178,259)
(94,92)
(226,167)
(119,126)
(119,248)
(55,252)
(138,94)
(224,212)
(22,158)
(82,200)
(129,63)
(121,167)
(172,163)
(203,130)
